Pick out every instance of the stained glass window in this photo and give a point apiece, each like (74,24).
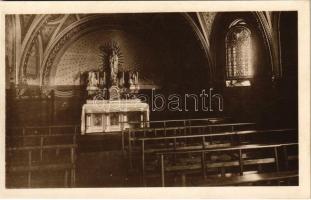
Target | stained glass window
(238,56)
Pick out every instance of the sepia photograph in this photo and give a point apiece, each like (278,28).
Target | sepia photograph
(152,99)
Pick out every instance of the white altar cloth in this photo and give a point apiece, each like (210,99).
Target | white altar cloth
(97,115)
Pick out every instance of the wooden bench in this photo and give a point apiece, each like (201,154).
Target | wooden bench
(240,162)
(182,130)
(177,122)
(67,168)
(40,130)
(171,143)
(41,139)
(174,132)
(165,125)
(32,166)
(246,179)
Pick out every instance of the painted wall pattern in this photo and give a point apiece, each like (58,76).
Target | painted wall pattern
(84,55)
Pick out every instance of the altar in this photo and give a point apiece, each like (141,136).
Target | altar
(112,116)
(111,96)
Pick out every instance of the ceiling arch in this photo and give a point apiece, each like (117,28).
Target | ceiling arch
(204,42)
(265,25)
(37,33)
(85,25)
(48,34)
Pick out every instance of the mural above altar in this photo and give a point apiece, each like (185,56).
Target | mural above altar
(109,91)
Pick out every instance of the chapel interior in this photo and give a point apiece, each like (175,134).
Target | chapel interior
(91,99)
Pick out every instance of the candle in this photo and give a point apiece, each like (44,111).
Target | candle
(136,77)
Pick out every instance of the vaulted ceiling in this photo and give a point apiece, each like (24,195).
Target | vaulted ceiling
(36,43)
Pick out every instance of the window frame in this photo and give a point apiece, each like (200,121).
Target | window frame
(245,80)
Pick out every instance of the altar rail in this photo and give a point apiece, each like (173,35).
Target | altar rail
(240,163)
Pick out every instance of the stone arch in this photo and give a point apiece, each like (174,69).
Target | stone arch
(28,41)
(78,28)
(204,42)
(260,22)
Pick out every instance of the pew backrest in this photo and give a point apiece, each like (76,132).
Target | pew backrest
(43,130)
(132,134)
(239,149)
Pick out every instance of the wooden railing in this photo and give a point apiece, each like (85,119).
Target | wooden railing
(33,165)
(174,133)
(241,162)
(165,124)
(187,143)
(41,139)
(177,122)
(251,179)
(46,130)
(42,143)
(132,134)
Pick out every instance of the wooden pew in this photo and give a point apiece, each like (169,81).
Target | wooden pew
(202,144)
(34,165)
(183,130)
(136,134)
(249,178)
(177,122)
(164,124)
(43,130)
(241,163)
(41,139)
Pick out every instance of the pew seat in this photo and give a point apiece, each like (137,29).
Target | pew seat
(245,179)
(187,167)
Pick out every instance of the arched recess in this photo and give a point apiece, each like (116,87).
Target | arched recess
(174,37)
(238,51)
(246,103)
(68,34)
(93,23)
(258,22)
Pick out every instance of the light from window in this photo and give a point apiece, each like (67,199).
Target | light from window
(238,56)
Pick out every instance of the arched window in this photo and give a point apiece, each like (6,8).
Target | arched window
(239,66)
